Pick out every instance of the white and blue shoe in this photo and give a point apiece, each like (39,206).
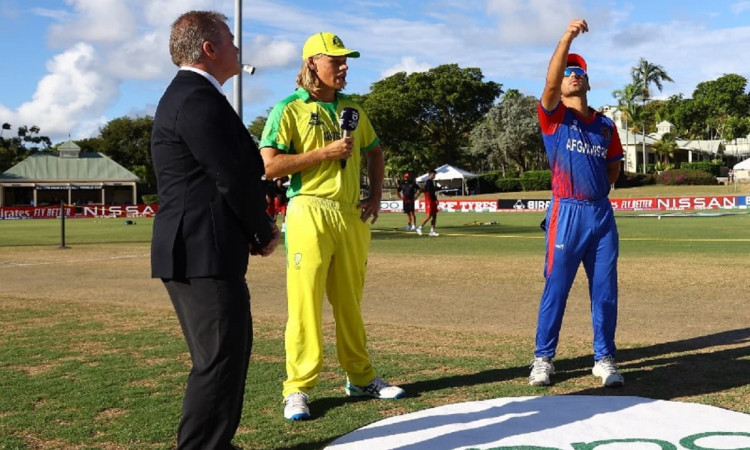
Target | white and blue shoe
(295,406)
(377,388)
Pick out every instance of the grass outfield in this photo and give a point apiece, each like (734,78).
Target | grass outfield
(92,355)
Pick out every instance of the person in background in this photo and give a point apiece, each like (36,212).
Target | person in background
(431,204)
(211,217)
(327,233)
(408,190)
(271,202)
(281,201)
(584,153)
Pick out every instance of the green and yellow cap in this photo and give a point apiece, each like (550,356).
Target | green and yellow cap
(327,44)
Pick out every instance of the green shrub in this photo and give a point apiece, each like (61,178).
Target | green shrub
(686,177)
(487,182)
(706,166)
(628,179)
(650,168)
(150,198)
(537,180)
(508,184)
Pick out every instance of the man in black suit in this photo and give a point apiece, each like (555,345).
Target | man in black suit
(211,217)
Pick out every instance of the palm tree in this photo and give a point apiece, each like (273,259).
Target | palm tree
(644,75)
(666,148)
(626,98)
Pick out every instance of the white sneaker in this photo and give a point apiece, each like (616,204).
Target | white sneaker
(407,228)
(295,406)
(413,228)
(377,388)
(434,233)
(419,231)
(541,369)
(606,369)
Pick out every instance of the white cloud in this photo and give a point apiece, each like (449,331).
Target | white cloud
(265,52)
(161,13)
(73,91)
(408,65)
(534,21)
(95,21)
(144,58)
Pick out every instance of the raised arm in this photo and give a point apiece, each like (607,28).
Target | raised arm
(552,91)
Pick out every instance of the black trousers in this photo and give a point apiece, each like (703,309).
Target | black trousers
(215,318)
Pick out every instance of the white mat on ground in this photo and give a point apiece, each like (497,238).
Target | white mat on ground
(557,422)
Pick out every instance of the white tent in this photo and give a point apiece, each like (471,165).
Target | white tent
(450,176)
(742,170)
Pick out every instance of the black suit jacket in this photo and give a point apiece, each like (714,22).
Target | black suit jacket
(208,172)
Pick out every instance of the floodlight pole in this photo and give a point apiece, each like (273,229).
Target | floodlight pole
(238,43)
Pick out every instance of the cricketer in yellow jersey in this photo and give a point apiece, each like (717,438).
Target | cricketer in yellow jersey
(327,234)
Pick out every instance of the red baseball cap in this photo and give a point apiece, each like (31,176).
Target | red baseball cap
(574,59)
(406,175)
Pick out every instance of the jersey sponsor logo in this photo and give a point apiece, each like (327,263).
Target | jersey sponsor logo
(314,120)
(332,135)
(576,145)
(297,260)
(607,133)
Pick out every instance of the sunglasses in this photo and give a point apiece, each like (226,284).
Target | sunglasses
(578,71)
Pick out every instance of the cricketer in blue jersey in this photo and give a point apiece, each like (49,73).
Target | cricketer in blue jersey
(584,153)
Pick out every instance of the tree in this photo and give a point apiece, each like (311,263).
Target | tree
(89,145)
(26,142)
(724,101)
(666,148)
(726,95)
(424,118)
(719,108)
(644,75)
(509,136)
(256,127)
(127,141)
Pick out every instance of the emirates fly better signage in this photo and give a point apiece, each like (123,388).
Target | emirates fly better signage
(619,204)
(468,205)
(641,203)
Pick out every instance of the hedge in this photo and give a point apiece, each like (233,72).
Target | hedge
(629,179)
(536,180)
(150,198)
(705,166)
(686,177)
(508,184)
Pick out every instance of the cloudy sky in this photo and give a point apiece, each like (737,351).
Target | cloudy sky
(69,66)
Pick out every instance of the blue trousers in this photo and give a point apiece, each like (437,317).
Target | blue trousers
(579,231)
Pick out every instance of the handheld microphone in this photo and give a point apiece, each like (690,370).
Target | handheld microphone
(248,68)
(349,120)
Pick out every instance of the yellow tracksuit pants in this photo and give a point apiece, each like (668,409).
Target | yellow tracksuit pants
(326,250)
